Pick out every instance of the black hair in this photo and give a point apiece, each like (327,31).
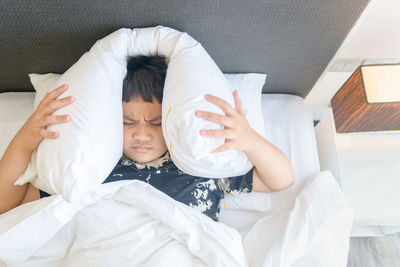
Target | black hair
(144,78)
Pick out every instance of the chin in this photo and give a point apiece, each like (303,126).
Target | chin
(141,158)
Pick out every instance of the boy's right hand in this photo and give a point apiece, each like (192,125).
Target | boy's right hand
(34,129)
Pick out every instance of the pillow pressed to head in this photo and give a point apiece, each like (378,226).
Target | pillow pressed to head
(90,144)
(191,74)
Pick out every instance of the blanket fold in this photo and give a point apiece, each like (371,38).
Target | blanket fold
(127,222)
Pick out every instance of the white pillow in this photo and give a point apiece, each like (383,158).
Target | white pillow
(191,74)
(90,145)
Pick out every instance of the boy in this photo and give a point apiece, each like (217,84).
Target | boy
(145,155)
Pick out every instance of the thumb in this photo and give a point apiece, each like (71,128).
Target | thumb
(223,147)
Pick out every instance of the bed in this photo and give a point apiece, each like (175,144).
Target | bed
(306,225)
(310,217)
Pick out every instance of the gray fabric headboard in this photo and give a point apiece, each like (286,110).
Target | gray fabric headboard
(290,40)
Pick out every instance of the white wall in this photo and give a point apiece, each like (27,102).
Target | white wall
(374,38)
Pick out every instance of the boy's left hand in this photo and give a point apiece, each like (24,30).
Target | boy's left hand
(237,132)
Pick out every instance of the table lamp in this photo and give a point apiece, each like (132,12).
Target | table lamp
(369,100)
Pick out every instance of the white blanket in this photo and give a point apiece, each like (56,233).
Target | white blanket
(314,232)
(129,223)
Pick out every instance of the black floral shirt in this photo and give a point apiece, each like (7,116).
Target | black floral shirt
(203,194)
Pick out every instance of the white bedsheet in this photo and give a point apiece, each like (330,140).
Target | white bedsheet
(307,225)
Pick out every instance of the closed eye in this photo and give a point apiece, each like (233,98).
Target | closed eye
(154,124)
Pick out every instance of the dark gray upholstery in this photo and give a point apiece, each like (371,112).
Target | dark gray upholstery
(290,40)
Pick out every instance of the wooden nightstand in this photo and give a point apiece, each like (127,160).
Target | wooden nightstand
(367,167)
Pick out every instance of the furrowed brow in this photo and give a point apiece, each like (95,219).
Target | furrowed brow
(158,118)
(128,118)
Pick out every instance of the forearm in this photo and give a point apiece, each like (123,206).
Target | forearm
(272,166)
(12,166)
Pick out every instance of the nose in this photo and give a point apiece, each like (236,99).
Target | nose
(141,133)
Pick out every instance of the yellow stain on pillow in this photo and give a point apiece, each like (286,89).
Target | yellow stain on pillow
(170,144)
(165,124)
(172,153)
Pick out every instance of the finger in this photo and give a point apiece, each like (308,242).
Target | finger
(55,93)
(224,147)
(59,103)
(238,102)
(225,106)
(58,91)
(216,133)
(47,134)
(210,116)
(53,119)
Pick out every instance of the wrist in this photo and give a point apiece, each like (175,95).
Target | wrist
(254,141)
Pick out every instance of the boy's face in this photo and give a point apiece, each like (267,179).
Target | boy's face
(143,138)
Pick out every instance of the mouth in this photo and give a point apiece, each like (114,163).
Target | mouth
(141,148)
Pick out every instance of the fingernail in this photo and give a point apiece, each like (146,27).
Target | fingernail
(199,114)
(67,117)
(203,132)
(208,97)
(72,98)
